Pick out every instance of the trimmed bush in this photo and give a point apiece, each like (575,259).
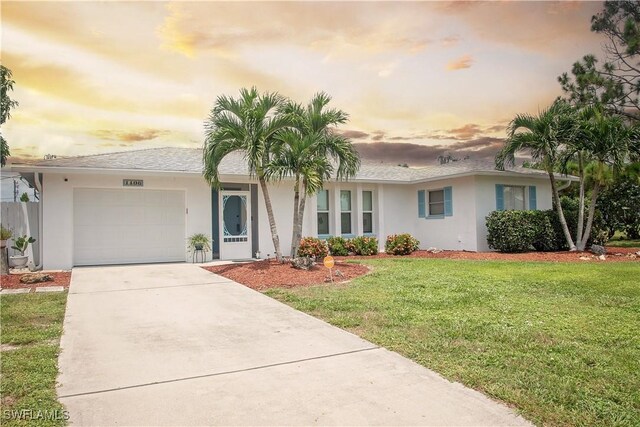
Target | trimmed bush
(338,246)
(365,245)
(313,248)
(510,231)
(401,244)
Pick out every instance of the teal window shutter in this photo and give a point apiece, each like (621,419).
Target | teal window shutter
(448,202)
(533,203)
(421,205)
(499,197)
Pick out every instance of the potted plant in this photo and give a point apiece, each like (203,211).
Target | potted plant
(20,245)
(5,234)
(199,242)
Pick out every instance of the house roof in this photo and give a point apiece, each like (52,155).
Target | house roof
(189,160)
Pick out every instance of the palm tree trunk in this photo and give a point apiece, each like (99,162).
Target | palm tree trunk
(272,220)
(296,202)
(563,221)
(580,229)
(592,210)
(303,201)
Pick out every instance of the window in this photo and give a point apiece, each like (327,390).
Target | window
(345,212)
(367,211)
(436,202)
(513,197)
(323,212)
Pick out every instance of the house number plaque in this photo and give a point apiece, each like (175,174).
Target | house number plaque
(132,183)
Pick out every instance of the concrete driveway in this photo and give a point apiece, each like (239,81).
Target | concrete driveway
(172,344)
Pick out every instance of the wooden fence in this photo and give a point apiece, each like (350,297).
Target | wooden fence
(22,218)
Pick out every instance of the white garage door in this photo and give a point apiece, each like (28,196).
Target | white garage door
(128,226)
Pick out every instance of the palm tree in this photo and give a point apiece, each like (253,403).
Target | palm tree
(248,124)
(6,105)
(544,136)
(310,153)
(606,142)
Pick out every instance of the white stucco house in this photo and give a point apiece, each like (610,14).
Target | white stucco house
(141,206)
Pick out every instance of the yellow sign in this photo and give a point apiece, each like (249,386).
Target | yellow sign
(328,261)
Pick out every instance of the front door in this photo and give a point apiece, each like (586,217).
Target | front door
(235,225)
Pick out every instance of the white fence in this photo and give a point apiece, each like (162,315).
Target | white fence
(22,219)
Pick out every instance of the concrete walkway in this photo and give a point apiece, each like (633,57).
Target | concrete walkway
(172,344)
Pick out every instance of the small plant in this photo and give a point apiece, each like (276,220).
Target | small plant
(338,246)
(21,244)
(24,197)
(313,248)
(5,233)
(366,246)
(199,242)
(401,244)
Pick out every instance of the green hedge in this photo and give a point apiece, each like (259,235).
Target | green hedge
(521,231)
(362,245)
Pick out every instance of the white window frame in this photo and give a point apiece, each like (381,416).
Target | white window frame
(350,212)
(327,212)
(524,197)
(368,212)
(429,203)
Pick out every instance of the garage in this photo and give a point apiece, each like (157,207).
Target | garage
(126,226)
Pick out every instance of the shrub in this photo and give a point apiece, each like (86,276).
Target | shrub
(401,244)
(338,246)
(365,245)
(313,248)
(510,231)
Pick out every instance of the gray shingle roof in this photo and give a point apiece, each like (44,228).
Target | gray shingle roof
(189,160)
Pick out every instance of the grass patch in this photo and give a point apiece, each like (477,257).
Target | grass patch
(560,341)
(33,324)
(624,243)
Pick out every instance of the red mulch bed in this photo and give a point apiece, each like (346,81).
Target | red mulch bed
(261,275)
(12,281)
(613,255)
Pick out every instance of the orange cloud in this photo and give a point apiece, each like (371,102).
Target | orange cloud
(116,135)
(461,63)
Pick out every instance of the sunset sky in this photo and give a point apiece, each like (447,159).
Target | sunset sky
(417,79)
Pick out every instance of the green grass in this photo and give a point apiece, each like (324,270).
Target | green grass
(559,341)
(31,326)
(619,240)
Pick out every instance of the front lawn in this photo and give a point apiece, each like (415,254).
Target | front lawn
(31,329)
(559,341)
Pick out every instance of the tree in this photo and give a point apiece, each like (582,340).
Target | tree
(309,152)
(604,141)
(248,124)
(543,136)
(6,105)
(619,205)
(616,84)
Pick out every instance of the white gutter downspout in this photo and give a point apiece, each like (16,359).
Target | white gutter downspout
(40,220)
(564,186)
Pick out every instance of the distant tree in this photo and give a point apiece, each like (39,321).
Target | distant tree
(619,205)
(543,136)
(615,84)
(24,197)
(248,124)
(6,105)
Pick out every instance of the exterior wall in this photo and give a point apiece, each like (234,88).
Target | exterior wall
(485,190)
(57,206)
(456,232)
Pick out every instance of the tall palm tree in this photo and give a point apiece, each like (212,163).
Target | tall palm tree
(248,124)
(311,153)
(544,136)
(606,142)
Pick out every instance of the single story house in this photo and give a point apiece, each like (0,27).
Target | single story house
(141,206)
